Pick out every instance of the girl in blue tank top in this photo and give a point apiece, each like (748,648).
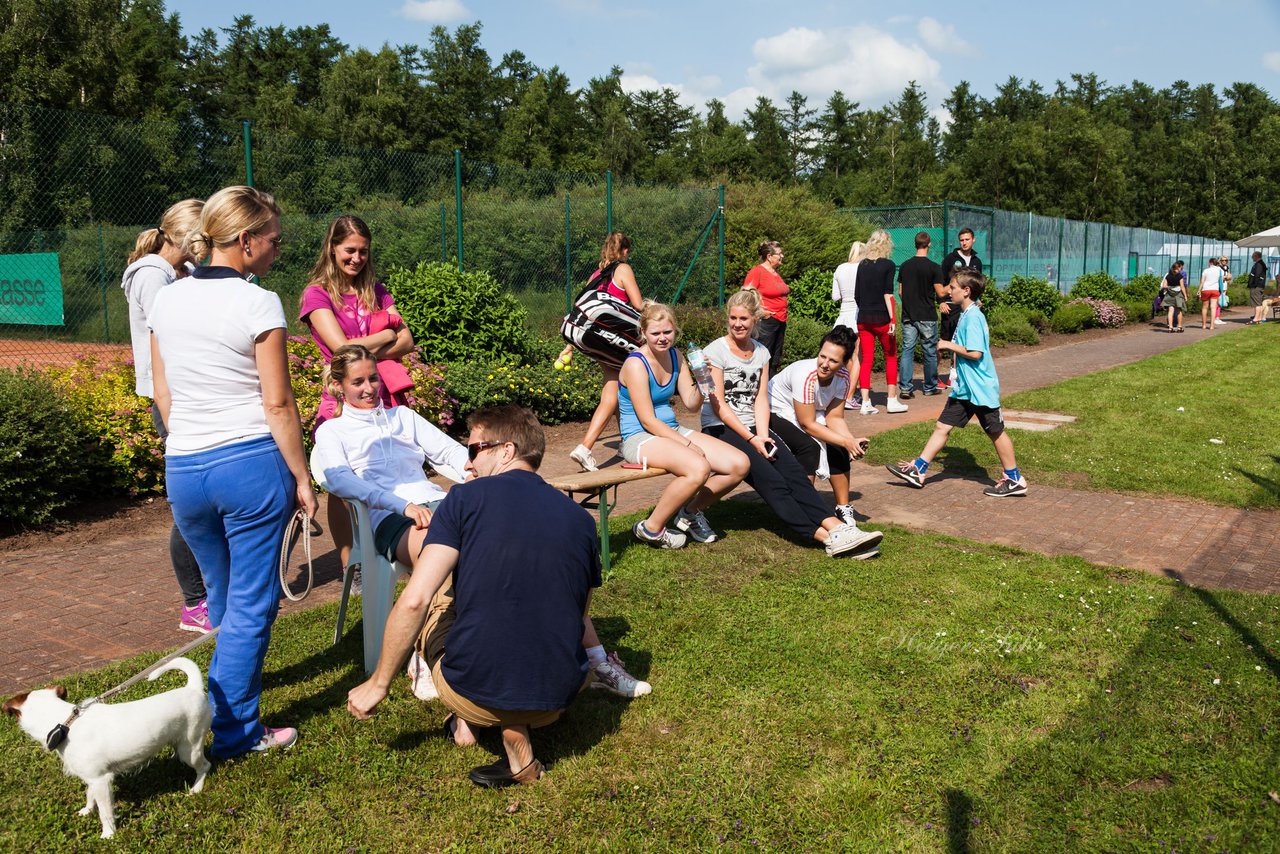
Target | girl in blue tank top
(704,467)
(659,395)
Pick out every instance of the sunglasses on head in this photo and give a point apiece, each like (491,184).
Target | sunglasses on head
(474,449)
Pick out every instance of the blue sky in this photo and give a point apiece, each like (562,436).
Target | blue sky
(736,51)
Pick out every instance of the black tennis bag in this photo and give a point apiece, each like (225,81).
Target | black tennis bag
(601,326)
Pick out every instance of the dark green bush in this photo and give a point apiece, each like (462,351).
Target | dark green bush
(1033,294)
(992,296)
(1009,325)
(702,325)
(1136,310)
(554,396)
(804,337)
(48,458)
(1038,319)
(811,297)
(811,236)
(459,316)
(1072,318)
(1096,286)
(1144,287)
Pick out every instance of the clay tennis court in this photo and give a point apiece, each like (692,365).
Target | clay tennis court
(45,353)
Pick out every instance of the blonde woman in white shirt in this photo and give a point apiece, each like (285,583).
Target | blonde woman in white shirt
(843,282)
(234,465)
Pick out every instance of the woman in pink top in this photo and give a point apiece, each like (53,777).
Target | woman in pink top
(773,299)
(344,304)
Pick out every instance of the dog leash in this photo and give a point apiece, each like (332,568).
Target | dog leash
(59,733)
(299,523)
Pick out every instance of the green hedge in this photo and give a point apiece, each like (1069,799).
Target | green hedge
(1073,317)
(49,456)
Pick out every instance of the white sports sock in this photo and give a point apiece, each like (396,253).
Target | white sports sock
(596,655)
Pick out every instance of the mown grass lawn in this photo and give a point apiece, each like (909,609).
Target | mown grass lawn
(948,695)
(1144,427)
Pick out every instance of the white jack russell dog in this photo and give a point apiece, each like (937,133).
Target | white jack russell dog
(105,740)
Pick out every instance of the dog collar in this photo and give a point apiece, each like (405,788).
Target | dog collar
(58,734)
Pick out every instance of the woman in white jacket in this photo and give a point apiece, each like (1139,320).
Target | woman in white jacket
(843,282)
(160,258)
(375,455)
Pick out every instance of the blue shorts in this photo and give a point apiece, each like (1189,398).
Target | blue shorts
(387,536)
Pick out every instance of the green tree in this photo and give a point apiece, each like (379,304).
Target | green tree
(801,129)
(770,156)
(460,109)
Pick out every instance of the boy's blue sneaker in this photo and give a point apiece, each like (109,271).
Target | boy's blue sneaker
(1006,488)
(907,471)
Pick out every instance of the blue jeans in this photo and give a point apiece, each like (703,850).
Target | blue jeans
(926,332)
(232,505)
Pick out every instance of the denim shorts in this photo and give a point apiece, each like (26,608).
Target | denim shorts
(392,529)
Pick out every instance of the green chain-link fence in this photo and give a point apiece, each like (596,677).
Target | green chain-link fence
(80,187)
(1060,250)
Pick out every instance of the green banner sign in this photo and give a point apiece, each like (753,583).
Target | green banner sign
(31,289)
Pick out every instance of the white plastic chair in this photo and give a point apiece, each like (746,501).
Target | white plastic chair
(378,577)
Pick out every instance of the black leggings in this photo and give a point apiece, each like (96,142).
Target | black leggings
(806,448)
(782,483)
(185,567)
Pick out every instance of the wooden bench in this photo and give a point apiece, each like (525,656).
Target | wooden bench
(594,486)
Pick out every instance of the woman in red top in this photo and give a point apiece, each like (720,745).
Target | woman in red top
(773,299)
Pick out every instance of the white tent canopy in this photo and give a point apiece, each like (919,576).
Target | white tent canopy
(1270,237)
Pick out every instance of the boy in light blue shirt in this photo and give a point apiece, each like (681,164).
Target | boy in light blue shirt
(975,391)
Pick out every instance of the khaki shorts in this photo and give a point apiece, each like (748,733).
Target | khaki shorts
(431,646)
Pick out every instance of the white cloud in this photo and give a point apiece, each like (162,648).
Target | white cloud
(1271,60)
(866,64)
(942,38)
(695,93)
(435,11)
(737,102)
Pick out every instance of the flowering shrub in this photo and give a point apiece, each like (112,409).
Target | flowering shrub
(1097,285)
(554,396)
(1034,294)
(101,398)
(1072,317)
(48,458)
(305,366)
(1105,312)
(428,397)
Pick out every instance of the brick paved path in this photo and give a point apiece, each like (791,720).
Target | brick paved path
(74,605)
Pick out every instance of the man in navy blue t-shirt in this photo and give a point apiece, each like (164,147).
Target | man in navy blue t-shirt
(504,641)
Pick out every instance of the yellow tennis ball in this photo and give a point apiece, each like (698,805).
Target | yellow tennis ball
(559,365)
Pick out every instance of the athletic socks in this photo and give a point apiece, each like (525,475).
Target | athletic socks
(921,465)
(595,655)
(1013,474)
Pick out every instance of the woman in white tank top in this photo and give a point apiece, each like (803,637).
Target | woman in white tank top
(843,282)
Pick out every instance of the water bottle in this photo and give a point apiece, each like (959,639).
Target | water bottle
(701,373)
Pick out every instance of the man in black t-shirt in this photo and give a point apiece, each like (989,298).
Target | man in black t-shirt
(1257,288)
(922,287)
(963,257)
(523,559)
